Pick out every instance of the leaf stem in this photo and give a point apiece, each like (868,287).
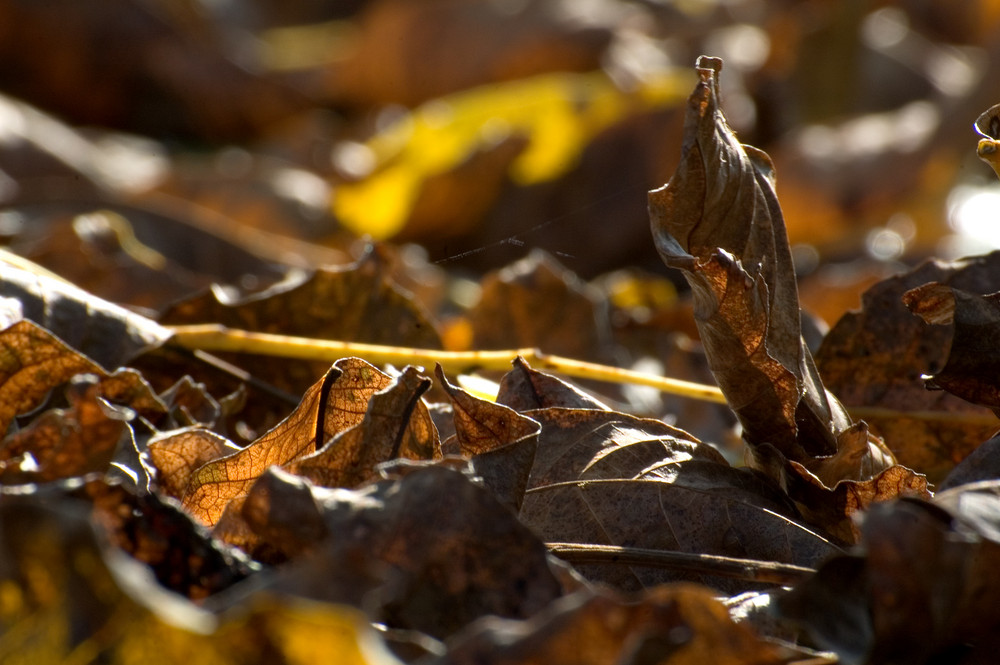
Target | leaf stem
(768,572)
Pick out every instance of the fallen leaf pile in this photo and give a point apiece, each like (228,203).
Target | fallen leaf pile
(163,501)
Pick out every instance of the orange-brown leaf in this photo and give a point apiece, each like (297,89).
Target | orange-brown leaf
(63,443)
(500,442)
(214,483)
(179,453)
(33,362)
(682,620)
(395,423)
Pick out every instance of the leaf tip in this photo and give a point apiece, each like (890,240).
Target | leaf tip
(708,65)
(987,125)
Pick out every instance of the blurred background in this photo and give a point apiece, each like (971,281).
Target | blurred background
(152,148)
(481,129)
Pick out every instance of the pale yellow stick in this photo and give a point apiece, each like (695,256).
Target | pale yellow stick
(211,337)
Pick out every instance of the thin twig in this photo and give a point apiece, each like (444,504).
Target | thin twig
(212,337)
(768,572)
(219,338)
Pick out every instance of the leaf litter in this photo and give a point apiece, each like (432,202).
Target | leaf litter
(349,531)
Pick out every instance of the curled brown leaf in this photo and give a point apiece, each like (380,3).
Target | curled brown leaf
(973,362)
(718,220)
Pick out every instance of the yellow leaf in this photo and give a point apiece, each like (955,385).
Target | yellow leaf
(559,114)
(307,632)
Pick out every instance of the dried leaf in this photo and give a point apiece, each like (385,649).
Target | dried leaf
(340,406)
(357,303)
(76,599)
(98,251)
(277,520)
(921,589)
(107,334)
(179,453)
(395,36)
(69,595)
(246,205)
(62,443)
(681,624)
(983,463)
(603,477)
(583,444)
(482,426)
(349,396)
(281,509)
(500,442)
(439,171)
(77,440)
(836,508)
(396,423)
(174,75)
(875,358)
(719,221)
(126,387)
(988,127)
(440,540)
(973,363)
(747,485)
(151,252)
(603,182)
(210,486)
(661,515)
(524,388)
(537,303)
(191,404)
(282,522)
(233,530)
(33,363)
(180,553)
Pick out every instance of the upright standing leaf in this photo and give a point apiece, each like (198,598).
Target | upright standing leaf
(988,127)
(718,220)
